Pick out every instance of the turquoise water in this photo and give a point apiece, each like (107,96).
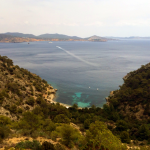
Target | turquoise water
(80,100)
(83,72)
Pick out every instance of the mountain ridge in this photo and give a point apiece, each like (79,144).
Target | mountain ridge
(56,36)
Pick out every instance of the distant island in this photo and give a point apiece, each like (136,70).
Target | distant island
(16,37)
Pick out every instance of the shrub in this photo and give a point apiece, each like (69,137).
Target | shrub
(13,87)
(47,146)
(30,121)
(31,88)
(4,120)
(38,87)
(59,147)
(54,135)
(34,145)
(44,81)
(143,133)
(121,125)
(3,94)
(13,109)
(48,125)
(10,70)
(61,119)
(20,111)
(37,110)
(39,100)
(23,88)
(5,59)
(69,135)
(27,108)
(124,136)
(1,98)
(4,132)
(7,107)
(99,137)
(30,101)
(86,123)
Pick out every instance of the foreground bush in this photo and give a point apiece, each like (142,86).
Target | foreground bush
(99,137)
(4,132)
(4,120)
(69,135)
(47,146)
(29,121)
(34,145)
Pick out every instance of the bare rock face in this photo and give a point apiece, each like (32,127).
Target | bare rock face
(111,94)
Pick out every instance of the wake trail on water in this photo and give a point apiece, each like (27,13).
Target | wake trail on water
(77,57)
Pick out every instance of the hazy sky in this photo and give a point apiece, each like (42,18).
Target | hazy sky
(76,17)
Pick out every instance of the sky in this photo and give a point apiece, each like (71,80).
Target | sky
(81,18)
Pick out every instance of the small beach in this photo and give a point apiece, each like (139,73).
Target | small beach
(50,98)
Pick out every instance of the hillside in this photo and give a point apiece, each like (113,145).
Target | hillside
(133,97)
(4,38)
(27,114)
(17,34)
(97,39)
(58,37)
(43,36)
(20,89)
(30,120)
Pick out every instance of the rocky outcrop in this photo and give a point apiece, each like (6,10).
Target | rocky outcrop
(111,94)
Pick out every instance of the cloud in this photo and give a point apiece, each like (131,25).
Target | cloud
(75,16)
(97,23)
(70,24)
(26,22)
(133,23)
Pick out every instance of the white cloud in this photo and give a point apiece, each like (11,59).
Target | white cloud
(26,22)
(75,16)
(97,23)
(133,23)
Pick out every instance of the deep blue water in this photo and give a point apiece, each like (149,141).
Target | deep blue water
(73,67)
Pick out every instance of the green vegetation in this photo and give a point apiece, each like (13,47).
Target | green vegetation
(35,145)
(30,101)
(99,137)
(4,127)
(125,118)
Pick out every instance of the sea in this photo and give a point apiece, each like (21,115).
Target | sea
(83,72)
